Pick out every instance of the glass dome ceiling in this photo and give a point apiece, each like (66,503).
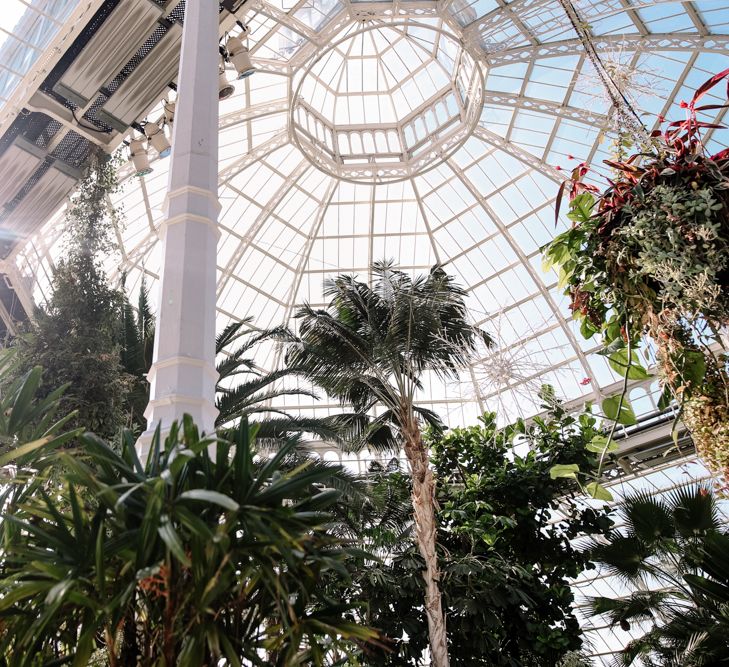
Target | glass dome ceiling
(425,132)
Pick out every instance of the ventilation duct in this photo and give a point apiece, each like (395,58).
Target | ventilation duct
(113,45)
(146,84)
(17,164)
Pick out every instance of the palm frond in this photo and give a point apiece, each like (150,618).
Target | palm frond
(694,510)
(648,518)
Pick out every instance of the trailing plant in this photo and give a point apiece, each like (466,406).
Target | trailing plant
(671,555)
(75,335)
(650,254)
(184,560)
(370,348)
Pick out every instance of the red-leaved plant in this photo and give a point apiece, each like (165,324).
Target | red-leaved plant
(650,254)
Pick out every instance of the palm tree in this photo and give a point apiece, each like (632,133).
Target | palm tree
(245,390)
(370,348)
(672,553)
(136,341)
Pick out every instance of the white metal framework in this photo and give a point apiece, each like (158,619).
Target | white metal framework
(423,131)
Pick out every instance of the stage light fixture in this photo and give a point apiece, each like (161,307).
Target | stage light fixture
(157,138)
(169,111)
(140,157)
(239,57)
(225,88)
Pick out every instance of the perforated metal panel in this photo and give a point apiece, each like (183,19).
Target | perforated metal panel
(43,200)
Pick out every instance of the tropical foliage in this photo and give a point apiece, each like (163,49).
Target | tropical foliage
(182,561)
(77,336)
(506,558)
(137,344)
(370,347)
(247,391)
(651,254)
(671,553)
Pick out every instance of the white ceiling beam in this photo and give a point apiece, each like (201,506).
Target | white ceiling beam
(655,42)
(263,216)
(253,155)
(521,255)
(253,112)
(519,153)
(526,103)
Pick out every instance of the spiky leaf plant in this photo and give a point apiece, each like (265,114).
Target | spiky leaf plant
(186,560)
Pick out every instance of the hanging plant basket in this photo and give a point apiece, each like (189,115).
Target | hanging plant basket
(650,254)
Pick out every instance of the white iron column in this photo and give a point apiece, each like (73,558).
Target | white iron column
(183,374)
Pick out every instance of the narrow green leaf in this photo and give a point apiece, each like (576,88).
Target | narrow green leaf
(84,647)
(22,450)
(20,409)
(100,569)
(170,537)
(213,497)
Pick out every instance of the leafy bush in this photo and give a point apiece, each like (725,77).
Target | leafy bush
(182,561)
(506,530)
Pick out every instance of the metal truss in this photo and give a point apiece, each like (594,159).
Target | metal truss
(526,264)
(655,42)
(259,222)
(519,153)
(524,103)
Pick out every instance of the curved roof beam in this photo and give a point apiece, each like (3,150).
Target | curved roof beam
(526,103)
(519,153)
(253,155)
(260,220)
(519,253)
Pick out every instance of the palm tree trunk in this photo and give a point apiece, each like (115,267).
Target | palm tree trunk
(423,496)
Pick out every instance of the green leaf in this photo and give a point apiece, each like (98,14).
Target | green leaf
(19,414)
(561,470)
(22,450)
(211,497)
(581,207)
(666,397)
(599,444)
(613,330)
(84,647)
(170,537)
(623,414)
(618,361)
(587,328)
(693,368)
(598,491)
